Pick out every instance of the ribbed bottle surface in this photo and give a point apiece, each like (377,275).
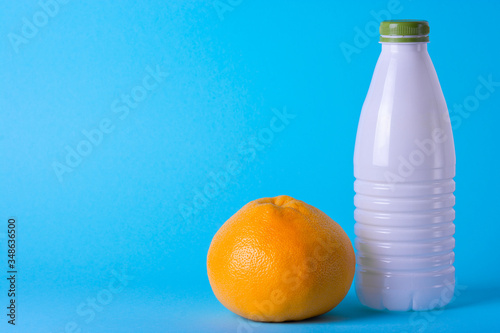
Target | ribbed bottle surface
(404,241)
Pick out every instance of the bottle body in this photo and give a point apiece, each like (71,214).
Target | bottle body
(404,164)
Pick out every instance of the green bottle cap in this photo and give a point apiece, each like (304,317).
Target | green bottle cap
(404,31)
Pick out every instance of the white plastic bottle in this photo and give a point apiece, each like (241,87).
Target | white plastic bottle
(404,164)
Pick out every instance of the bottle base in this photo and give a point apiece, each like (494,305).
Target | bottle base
(406,300)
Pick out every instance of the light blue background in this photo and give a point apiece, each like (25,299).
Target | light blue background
(119,210)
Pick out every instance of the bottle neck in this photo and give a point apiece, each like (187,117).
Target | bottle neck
(419,47)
